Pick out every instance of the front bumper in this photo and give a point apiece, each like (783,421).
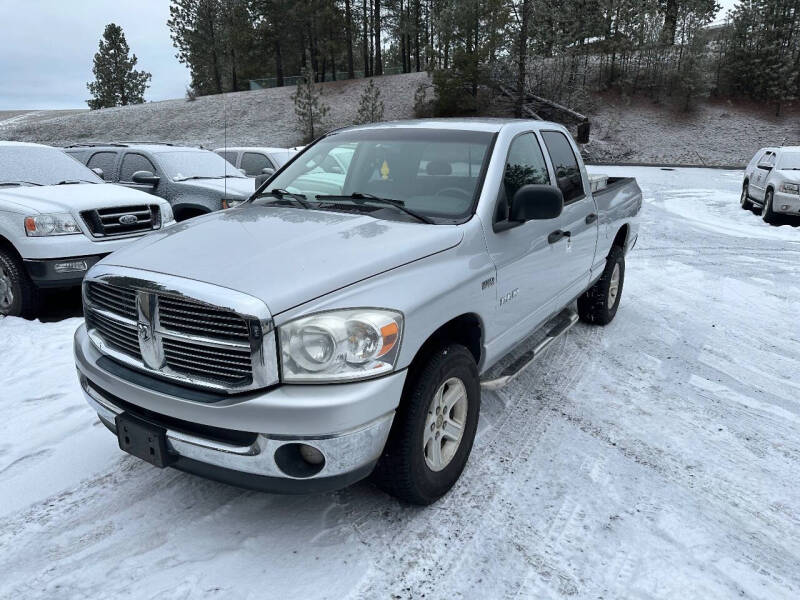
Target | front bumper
(241,439)
(785,203)
(60,272)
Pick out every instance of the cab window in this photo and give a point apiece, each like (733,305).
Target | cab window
(525,165)
(565,165)
(104,161)
(132,163)
(254,163)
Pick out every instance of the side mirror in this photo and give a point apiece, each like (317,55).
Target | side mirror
(268,171)
(536,202)
(261,179)
(99,172)
(765,167)
(145,177)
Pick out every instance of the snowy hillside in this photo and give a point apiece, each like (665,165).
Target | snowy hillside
(657,457)
(258,118)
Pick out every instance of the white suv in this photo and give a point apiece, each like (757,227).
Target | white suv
(772,181)
(57,219)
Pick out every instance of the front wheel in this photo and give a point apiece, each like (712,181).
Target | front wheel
(745,199)
(599,303)
(19,297)
(434,428)
(767,213)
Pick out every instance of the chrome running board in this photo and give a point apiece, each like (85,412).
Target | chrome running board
(559,325)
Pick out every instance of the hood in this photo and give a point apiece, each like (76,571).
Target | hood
(284,256)
(789,175)
(236,187)
(72,198)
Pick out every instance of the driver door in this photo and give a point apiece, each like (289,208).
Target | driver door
(758,186)
(528,277)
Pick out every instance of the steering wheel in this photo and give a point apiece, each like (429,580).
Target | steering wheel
(454,192)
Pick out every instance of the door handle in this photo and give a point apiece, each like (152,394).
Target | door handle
(591,218)
(557,235)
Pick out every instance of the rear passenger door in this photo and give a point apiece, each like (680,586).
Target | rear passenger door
(132,162)
(578,221)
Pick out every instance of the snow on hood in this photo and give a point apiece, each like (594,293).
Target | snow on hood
(284,256)
(231,187)
(72,198)
(789,175)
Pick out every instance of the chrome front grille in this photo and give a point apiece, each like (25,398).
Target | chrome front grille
(117,300)
(122,220)
(120,335)
(196,319)
(162,330)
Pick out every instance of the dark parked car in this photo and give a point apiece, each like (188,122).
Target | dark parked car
(194,181)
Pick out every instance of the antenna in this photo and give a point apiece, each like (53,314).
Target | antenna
(225,145)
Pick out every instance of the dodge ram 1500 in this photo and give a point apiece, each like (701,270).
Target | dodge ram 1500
(353,318)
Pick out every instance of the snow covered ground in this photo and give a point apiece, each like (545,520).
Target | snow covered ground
(658,457)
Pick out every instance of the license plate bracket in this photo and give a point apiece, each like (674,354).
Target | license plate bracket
(143,440)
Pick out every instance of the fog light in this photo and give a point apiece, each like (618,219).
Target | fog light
(311,455)
(71,266)
(785,207)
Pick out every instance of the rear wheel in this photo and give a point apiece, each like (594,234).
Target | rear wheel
(767,213)
(434,428)
(19,297)
(745,199)
(599,303)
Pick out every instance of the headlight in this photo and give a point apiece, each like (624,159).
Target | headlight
(791,188)
(340,345)
(55,224)
(231,202)
(167,216)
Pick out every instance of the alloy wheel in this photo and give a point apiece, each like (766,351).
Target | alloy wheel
(445,423)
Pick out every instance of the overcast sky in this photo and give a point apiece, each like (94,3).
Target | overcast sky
(47,46)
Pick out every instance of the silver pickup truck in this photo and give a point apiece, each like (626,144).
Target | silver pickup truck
(343,324)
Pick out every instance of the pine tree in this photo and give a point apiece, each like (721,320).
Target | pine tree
(116,82)
(370,106)
(311,111)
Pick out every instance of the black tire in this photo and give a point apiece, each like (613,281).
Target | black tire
(403,470)
(593,304)
(745,199)
(767,213)
(19,297)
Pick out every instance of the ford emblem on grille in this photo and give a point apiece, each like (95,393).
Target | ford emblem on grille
(128,219)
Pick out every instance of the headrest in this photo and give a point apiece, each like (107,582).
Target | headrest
(438,167)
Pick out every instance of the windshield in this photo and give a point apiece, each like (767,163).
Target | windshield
(201,164)
(790,161)
(436,173)
(41,165)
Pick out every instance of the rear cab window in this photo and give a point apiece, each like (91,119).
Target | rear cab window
(565,165)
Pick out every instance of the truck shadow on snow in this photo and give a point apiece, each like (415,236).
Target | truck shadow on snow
(60,304)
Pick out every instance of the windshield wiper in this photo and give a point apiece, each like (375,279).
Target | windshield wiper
(74,181)
(201,177)
(280,194)
(20,182)
(361,199)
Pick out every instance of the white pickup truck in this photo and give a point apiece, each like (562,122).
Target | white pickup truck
(353,317)
(57,219)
